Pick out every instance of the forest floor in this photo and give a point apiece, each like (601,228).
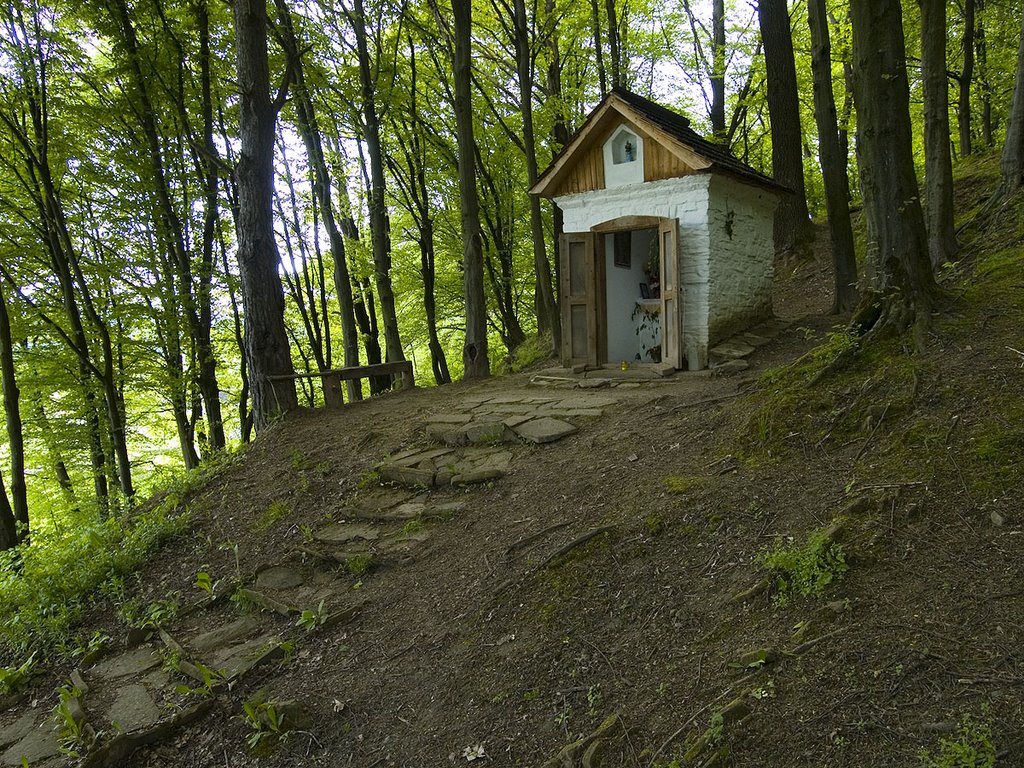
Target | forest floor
(459,626)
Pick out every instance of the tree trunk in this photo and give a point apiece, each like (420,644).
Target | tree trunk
(380,226)
(938,173)
(903,286)
(833,161)
(981,56)
(614,43)
(474,351)
(15,437)
(548,320)
(266,341)
(965,79)
(793,232)
(595,21)
(1012,160)
(718,61)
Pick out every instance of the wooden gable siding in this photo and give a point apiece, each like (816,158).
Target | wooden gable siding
(587,172)
(586,175)
(661,163)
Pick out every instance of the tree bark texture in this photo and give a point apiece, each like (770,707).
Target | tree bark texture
(548,320)
(266,341)
(718,59)
(938,160)
(833,161)
(793,232)
(965,80)
(1012,160)
(475,359)
(15,436)
(898,244)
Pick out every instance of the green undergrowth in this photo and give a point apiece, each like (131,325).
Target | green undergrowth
(807,569)
(46,587)
(535,350)
(971,747)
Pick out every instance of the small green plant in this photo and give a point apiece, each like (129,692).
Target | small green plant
(359,564)
(265,722)
(806,569)
(594,699)
(369,479)
(204,582)
(272,515)
(136,613)
(74,737)
(14,678)
(411,527)
(972,747)
(312,618)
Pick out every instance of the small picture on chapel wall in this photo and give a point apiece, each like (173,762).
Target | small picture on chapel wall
(645,291)
(623,251)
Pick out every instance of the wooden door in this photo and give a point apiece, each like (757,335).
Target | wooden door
(671,310)
(579,300)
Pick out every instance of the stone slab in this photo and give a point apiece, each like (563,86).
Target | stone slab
(587,401)
(729,367)
(237,661)
(448,434)
(544,430)
(225,635)
(473,476)
(733,349)
(754,340)
(342,533)
(448,418)
(409,476)
(419,457)
(484,432)
(133,709)
(40,744)
(17,730)
(133,662)
(279,577)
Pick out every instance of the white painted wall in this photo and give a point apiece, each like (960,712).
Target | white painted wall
(618,172)
(630,332)
(740,225)
(684,199)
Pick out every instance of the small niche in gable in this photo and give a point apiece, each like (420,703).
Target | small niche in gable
(623,158)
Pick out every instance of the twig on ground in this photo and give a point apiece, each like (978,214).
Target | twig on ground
(867,442)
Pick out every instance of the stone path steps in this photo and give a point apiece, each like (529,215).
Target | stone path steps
(730,356)
(143,691)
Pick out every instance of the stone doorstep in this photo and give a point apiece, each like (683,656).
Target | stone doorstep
(731,349)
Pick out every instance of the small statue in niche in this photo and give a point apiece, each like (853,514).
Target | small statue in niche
(628,152)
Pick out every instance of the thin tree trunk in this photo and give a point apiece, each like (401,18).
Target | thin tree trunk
(548,320)
(718,60)
(595,20)
(15,437)
(475,359)
(614,43)
(833,161)
(559,138)
(965,80)
(981,57)
(793,233)
(266,341)
(938,173)
(380,226)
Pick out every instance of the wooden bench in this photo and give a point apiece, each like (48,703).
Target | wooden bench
(332,378)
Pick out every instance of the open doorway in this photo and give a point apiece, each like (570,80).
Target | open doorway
(632,294)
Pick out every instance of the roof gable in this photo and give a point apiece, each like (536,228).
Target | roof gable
(687,152)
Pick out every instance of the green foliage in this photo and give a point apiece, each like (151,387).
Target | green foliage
(535,350)
(971,748)
(265,723)
(12,679)
(272,515)
(359,564)
(152,615)
(311,619)
(73,735)
(806,569)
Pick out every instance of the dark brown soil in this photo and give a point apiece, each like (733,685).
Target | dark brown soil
(474,644)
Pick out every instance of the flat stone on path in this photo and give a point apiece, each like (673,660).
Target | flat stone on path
(448,418)
(279,577)
(238,660)
(38,745)
(342,533)
(544,430)
(729,367)
(17,730)
(225,635)
(133,662)
(733,349)
(133,709)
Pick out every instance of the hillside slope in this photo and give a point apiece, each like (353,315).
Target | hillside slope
(460,626)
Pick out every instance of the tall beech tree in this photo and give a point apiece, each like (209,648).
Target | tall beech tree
(938,161)
(902,289)
(833,161)
(793,231)
(475,359)
(266,341)
(1011,163)
(17,507)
